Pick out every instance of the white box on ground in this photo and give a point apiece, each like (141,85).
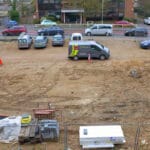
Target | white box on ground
(101,136)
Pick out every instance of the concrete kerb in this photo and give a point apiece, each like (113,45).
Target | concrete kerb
(8,38)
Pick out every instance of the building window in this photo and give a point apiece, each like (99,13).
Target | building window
(52,1)
(45,1)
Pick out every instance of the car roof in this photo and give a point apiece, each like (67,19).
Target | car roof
(82,42)
(12,21)
(24,36)
(57,35)
(47,20)
(39,37)
(76,34)
(20,26)
(140,28)
(52,27)
(102,25)
(55,27)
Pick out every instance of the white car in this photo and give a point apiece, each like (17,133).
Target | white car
(48,22)
(76,36)
(147,21)
(99,29)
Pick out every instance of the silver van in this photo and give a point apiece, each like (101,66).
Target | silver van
(84,49)
(99,29)
(24,41)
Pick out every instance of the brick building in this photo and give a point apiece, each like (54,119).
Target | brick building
(4,8)
(48,7)
(129,9)
(74,11)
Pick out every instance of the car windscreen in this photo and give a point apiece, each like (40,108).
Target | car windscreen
(57,38)
(22,41)
(100,45)
(76,38)
(93,27)
(39,40)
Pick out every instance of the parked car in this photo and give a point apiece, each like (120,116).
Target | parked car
(15,30)
(40,42)
(48,22)
(145,44)
(99,29)
(11,23)
(58,40)
(124,23)
(76,36)
(82,49)
(139,31)
(51,31)
(147,21)
(24,41)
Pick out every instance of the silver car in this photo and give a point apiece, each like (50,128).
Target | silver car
(58,40)
(24,41)
(40,42)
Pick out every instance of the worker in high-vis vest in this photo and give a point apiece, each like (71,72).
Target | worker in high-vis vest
(75,50)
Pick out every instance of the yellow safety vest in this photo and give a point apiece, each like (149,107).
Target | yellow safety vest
(75,50)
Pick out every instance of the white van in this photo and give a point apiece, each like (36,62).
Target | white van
(99,29)
(76,37)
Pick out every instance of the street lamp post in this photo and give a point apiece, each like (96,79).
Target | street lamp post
(102,11)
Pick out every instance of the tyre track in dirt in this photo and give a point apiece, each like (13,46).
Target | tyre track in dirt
(27,93)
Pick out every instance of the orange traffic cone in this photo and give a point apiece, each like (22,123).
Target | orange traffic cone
(1,62)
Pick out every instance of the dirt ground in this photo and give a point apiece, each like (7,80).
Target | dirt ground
(97,92)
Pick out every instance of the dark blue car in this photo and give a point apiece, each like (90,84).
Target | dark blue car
(138,31)
(51,31)
(11,23)
(145,44)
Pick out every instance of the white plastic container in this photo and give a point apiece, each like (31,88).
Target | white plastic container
(101,136)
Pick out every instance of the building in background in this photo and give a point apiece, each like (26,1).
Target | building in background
(48,8)
(4,9)
(26,10)
(129,8)
(80,11)
(72,11)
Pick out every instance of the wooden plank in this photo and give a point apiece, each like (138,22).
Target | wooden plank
(24,132)
(33,128)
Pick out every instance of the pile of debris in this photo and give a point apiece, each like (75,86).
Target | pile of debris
(43,127)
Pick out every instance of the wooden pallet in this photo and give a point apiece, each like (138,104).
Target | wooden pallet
(28,133)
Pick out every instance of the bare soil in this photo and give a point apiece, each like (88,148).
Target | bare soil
(116,90)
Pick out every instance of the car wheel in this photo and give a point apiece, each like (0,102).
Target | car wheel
(5,34)
(145,34)
(75,58)
(107,34)
(102,57)
(89,34)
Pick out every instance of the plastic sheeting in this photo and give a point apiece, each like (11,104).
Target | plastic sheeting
(10,129)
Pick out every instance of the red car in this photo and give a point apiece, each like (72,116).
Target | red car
(124,23)
(15,30)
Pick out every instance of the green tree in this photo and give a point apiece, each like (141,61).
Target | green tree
(144,8)
(13,13)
